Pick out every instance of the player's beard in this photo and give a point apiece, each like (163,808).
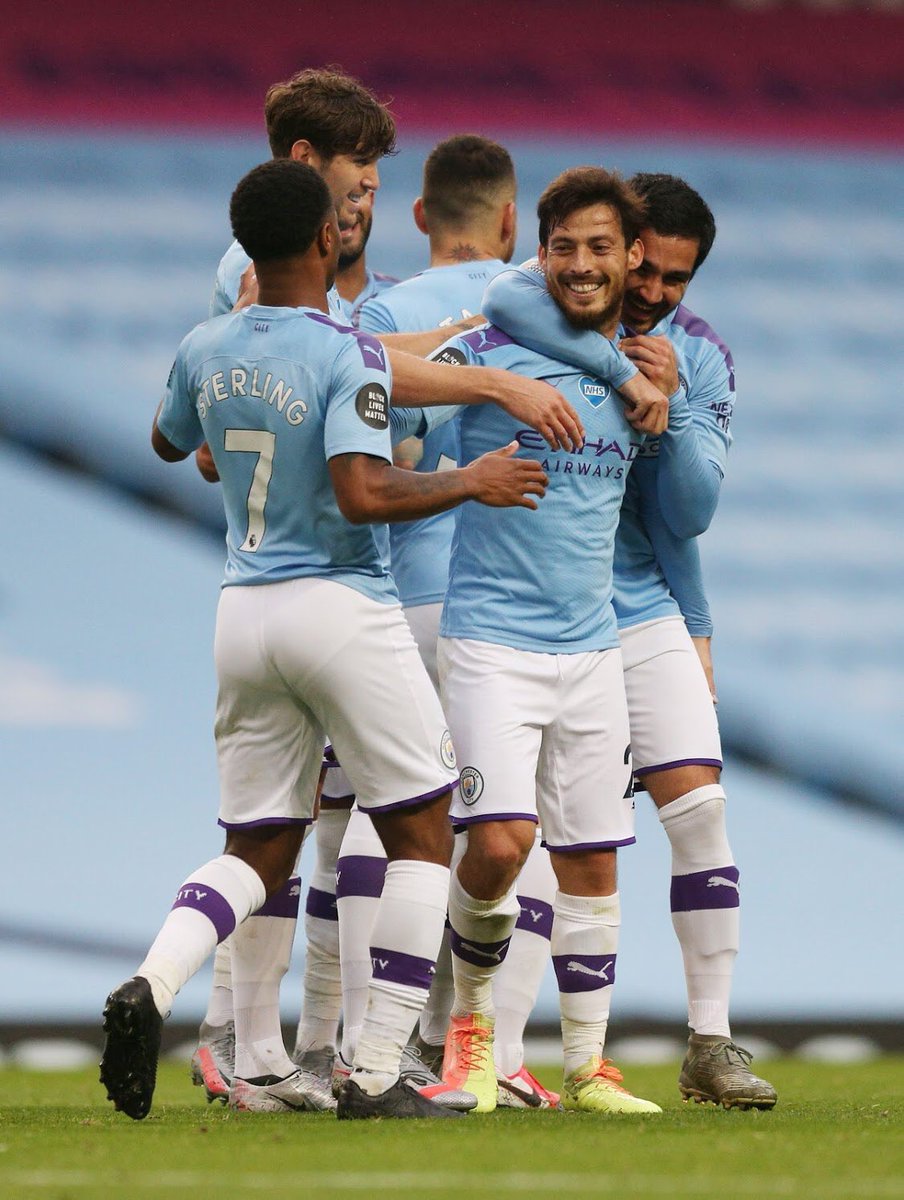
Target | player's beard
(594,318)
(350,255)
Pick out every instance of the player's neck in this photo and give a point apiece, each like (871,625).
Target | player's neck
(350,280)
(448,250)
(290,284)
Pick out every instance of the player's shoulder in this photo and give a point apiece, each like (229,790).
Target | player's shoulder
(698,336)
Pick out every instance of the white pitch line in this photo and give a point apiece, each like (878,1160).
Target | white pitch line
(420,1182)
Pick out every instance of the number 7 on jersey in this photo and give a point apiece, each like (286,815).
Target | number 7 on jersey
(262,443)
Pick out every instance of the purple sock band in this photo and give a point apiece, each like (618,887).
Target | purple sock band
(717,888)
(321,905)
(283,903)
(392,966)
(478,954)
(210,903)
(360,875)
(584,972)
(536,916)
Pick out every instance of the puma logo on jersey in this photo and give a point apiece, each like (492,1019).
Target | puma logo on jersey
(602,973)
(721,881)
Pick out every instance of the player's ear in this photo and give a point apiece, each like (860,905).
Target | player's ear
(509,222)
(303,151)
(635,254)
(326,237)
(541,255)
(419,218)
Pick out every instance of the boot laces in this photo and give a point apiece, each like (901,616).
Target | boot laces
(471,1047)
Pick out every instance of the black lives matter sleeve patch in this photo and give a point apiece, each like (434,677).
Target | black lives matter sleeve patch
(450,356)
(372,405)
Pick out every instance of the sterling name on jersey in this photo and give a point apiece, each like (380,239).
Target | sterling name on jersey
(419,550)
(277,392)
(540,580)
(674,488)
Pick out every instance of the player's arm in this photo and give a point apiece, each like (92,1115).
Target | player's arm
(418,382)
(377,318)
(693,450)
(369,489)
(679,561)
(518,302)
(176,429)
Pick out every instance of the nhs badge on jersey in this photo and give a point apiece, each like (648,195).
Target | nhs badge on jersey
(593,391)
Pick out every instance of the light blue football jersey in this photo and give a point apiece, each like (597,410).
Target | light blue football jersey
(540,580)
(232,267)
(276,393)
(675,485)
(419,550)
(374,285)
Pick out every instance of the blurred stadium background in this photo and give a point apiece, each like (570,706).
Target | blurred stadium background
(121,137)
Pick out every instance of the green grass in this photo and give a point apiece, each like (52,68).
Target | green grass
(837,1132)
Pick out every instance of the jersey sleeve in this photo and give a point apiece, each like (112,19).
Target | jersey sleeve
(679,561)
(518,302)
(178,419)
(375,317)
(357,417)
(694,448)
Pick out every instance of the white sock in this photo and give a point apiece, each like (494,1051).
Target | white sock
(219,1003)
(479,936)
(518,980)
(406,938)
(261,950)
(705,903)
(209,905)
(359,885)
(434,1023)
(584,946)
(322,1001)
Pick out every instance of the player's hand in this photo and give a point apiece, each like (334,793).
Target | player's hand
(205,464)
(542,408)
(655,358)
(247,289)
(646,407)
(503,481)
(703,646)
(408,453)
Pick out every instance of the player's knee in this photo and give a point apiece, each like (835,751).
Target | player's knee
(502,848)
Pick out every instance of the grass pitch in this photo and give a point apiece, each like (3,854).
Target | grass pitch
(837,1133)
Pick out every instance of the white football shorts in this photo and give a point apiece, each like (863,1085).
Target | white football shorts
(672,715)
(423,621)
(540,736)
(303,655)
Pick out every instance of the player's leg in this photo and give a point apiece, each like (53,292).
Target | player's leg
(677,755)
(265,827)
(315,1039)
(584,794)
(518,981)
(361,869)
(388,731)
(497,700)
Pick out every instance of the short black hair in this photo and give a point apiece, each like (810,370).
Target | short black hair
(463,177)
(580,187)
(277,209)
(674,209)
(332,111)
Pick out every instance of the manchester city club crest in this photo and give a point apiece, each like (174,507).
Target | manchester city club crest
(470,785)
(447,750)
